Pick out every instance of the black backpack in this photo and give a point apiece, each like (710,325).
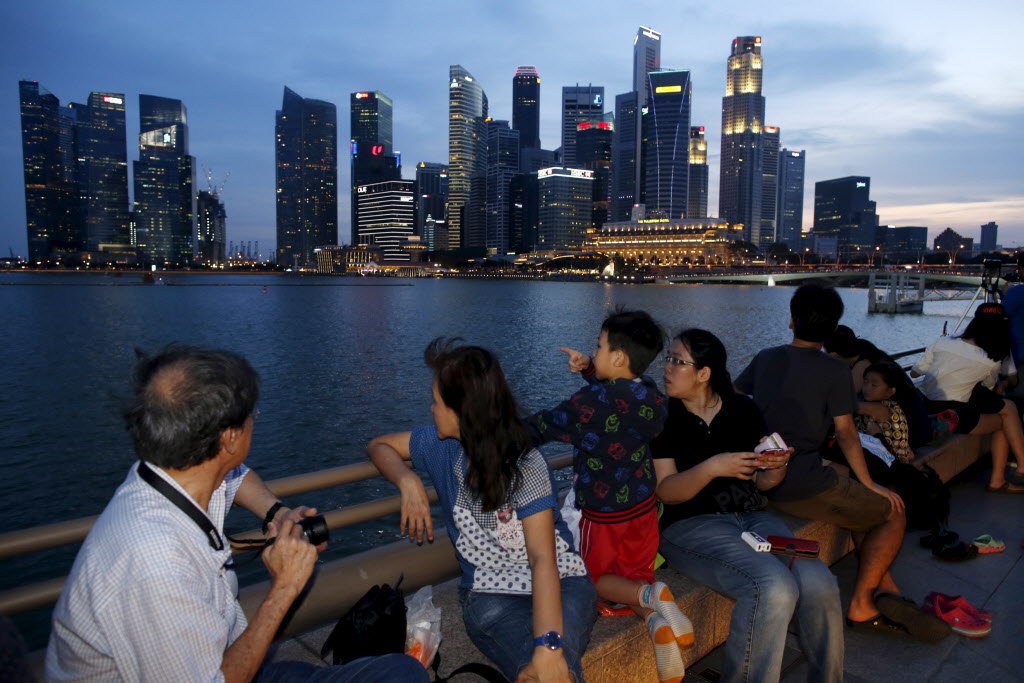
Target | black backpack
(923,493)
(374,626)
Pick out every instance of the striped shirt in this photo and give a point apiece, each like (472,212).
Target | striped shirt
(148,599)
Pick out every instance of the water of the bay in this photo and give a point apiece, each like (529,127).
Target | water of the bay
(340,361)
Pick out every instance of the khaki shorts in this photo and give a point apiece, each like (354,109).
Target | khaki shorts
(848,504)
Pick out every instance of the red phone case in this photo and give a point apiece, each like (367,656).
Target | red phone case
(796,547)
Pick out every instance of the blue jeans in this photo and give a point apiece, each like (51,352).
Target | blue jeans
(709,550)
(383,669)
(501,625)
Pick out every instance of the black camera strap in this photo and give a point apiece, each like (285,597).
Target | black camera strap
(184,504)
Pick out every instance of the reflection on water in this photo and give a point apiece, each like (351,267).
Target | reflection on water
(339,364)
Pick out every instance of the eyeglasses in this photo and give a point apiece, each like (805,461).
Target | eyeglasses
(672,360)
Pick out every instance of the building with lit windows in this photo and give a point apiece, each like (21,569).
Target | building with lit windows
(467,160)
(566,200)
(371,145)
(594,153)
(211,229)
(164,175)
(666,241)
(502,166)
(431,197)
(843,209)
(789,207)
(51,195)
(769,186)
(386,216)
(906,244)
(646,59)
(102,173)
(697,204)
(741,172)
(306,135)
(667,152)
(579,103)
(626,156)
(526,106)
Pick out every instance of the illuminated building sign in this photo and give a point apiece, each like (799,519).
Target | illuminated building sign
(771,129)
(598,100)
(604,125)
(361,95)
(377,150)
(572,173)
(354,147)
(361,189)
(860,184)
(112,100)
(794,154)
(653,35)
(668,88)
(167,139)
(702,129)
(583,126)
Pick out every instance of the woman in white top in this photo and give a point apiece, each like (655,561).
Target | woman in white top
(963,374)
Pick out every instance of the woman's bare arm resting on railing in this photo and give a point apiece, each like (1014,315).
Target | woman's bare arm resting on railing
(389,453)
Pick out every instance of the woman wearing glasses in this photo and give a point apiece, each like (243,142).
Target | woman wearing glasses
(710,482)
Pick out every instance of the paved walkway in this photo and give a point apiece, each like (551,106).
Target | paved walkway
(994,582)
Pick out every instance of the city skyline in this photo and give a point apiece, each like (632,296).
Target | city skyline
(918,76)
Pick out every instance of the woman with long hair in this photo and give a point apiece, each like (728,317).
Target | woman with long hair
(522,583)
(963,374)
(710,482)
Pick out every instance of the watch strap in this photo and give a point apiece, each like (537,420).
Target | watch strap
(269,517)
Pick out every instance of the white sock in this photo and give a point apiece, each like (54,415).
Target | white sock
(658,597)
(666,651)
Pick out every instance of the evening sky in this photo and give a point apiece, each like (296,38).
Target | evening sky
(926,98)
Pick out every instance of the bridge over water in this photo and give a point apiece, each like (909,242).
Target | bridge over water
(770,277)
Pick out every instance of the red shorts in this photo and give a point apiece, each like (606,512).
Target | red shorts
(626,549)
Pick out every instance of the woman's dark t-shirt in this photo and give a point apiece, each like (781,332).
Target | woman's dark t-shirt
(688,441)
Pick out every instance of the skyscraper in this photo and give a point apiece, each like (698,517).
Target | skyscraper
(697,205)
(843,209)
(646,58)
(526,106)
(989,236)
(579,103)
(789,219)
(667,122)
(49,185)
(431,197)
(307,178)
(164,175)
(386,216)
(741,176)
(769,186)
(502,166)
(211,229)
(594,153)
(566,206)
(371,146)
(625,155)
(103,170)
(467,159)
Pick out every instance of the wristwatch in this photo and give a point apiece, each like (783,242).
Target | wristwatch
(552,640)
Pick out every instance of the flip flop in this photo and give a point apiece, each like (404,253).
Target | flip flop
(986,544)
(880,624)
(920,624)
(943,600)
(1005,488)
(957,552)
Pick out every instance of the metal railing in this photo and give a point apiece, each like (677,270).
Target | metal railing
(336,584)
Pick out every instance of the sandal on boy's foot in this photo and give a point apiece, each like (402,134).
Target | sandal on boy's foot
(658,597)
(932,601)
(958,552)
(666,651)
(880,624)
(986,544)
(932,540)
(963,623)
(1006,487)
(920,624)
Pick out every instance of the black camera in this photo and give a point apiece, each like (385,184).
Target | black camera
(315,529)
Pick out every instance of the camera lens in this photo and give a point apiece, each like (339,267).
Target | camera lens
(315,529)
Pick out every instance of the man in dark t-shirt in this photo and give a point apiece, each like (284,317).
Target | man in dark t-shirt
(802,394)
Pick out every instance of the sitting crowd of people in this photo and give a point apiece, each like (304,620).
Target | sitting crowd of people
(673,470)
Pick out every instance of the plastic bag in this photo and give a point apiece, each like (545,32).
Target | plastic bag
(423,626)
(571,515)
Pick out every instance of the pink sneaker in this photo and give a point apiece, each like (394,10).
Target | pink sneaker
(962,622)
(950,601)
